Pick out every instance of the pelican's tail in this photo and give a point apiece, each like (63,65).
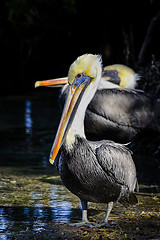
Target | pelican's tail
(130,200)
(133,199)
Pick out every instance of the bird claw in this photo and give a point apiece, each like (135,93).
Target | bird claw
(102,224)
(90,224)
(81,224)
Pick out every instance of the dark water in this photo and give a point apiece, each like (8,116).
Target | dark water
(31,192)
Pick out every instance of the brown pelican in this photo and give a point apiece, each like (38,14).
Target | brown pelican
(114,112)
(100,171)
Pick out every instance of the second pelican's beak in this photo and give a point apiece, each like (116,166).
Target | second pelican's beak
(57,82)
(111,76)
(75,93)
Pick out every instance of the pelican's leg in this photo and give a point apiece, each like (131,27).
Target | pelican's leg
(105,220)
(84,216)
(109,209)
(84,212)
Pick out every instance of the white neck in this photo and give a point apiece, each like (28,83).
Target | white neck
(104,84)
(77,126)
(78,122)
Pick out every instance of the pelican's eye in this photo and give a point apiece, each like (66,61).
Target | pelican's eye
(79,76)
(115,72)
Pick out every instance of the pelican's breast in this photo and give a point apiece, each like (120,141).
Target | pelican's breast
(82,174)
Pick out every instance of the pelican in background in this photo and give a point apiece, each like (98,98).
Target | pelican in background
(100,171)
(114,113)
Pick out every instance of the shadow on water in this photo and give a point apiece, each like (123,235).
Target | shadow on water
(31,193)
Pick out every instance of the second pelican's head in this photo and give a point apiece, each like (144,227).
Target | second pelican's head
(83,79)
(121,75)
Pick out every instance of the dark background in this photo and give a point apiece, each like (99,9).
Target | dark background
(40,39)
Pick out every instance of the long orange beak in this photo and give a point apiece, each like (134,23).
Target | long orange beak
(57,82)
(75,93)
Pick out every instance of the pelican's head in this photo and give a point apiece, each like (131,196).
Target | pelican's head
(83,79)
(88,65)
(121,75)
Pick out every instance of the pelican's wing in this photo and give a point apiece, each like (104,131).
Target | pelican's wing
(121,114)
(116,160)
(126,107)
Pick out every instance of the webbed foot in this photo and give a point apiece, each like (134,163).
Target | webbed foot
(83,224)
(102,224)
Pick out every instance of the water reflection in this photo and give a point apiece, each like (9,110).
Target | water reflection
(28,117)
(45,161)
(61,205)
(3,225)
(59,202)
(15,220)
